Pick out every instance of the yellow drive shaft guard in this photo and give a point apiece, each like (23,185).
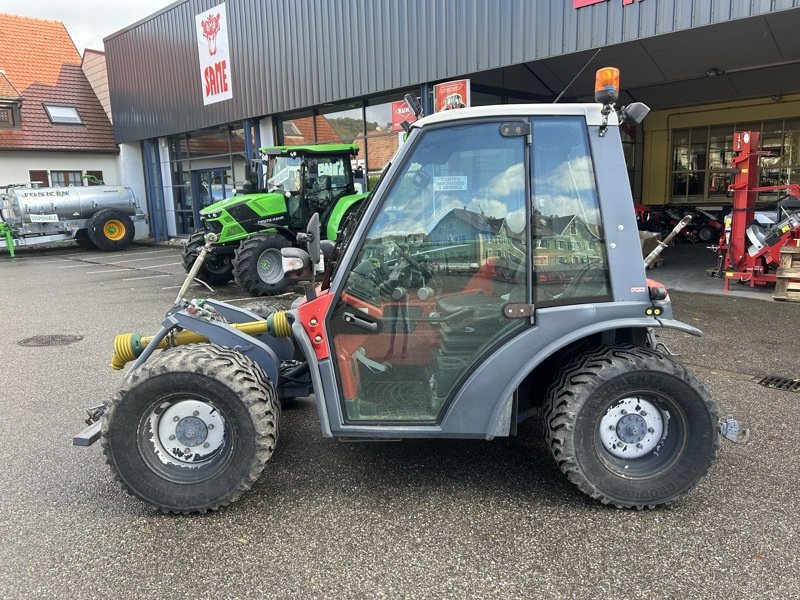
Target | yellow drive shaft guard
(128,346)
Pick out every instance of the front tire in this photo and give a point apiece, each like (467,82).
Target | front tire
(217,268)
(110,229)
(257,265)
(192,429)
(630,427)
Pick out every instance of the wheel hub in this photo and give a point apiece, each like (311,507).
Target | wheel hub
(269,266)
(632,428)
(189,432)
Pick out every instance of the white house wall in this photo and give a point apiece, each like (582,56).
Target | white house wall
(15,166)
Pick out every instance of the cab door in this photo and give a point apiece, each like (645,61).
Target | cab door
(440,280)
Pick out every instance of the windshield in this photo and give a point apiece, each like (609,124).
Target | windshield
(283,174)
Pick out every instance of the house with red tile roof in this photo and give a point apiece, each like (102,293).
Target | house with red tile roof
(53,129)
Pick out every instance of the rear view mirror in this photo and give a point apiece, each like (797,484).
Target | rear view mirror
(413,104)
(634,113)
(312,231)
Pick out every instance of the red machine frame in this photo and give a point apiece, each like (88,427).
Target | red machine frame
(736,261)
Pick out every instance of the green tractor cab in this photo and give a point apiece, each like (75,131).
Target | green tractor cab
(252,228)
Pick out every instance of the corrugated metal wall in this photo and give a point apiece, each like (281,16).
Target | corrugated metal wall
(291,54)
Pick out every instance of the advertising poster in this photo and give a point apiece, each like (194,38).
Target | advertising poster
(400,113)
(451,95)
(212,48)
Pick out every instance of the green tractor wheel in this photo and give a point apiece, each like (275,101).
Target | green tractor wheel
(257,265)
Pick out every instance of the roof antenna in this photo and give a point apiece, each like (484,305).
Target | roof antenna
(588,62)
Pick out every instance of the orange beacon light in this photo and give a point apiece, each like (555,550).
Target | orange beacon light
(606,85)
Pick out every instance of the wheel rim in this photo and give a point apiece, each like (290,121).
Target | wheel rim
(114,230)
(270,269)
(630,449)
(631,428)
(183,439)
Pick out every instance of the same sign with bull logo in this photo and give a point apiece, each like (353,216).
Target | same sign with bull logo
(215,62)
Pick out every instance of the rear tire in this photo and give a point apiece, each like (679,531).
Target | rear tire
(192,428)
(257,265)
(630,427)
(216,270)
(110,229)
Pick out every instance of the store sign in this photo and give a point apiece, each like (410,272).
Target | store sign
(212,48)
(582,3)
(451,95)
(400,113)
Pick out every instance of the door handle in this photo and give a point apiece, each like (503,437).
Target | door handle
(359,322)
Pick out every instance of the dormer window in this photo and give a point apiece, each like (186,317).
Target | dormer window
(63,115)
(9,115)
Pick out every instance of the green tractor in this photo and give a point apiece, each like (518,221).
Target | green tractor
(253,228)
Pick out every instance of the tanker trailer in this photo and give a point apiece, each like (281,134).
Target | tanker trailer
(99,216)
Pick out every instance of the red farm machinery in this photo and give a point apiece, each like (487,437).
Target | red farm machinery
(752,244)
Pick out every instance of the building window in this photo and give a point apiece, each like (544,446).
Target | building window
(94,178)
(701,159)
(38,178)
(9,116)
(63,115)
(66,178)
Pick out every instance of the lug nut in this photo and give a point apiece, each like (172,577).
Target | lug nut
(639,445)
(206,445)
(624,412)
(643,413)
(650,430)
(176,418)
(186,451)
(195,413)
(172,437)
(211,426)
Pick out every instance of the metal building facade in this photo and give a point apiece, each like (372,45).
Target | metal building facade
(292,54)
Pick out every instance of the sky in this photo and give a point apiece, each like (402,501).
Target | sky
(87,21)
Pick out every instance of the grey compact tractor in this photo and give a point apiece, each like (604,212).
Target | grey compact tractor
(493,276)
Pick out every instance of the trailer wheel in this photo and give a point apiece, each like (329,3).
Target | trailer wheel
(630,427)
(110,229)
(257,265)
(216,270)
(192,428)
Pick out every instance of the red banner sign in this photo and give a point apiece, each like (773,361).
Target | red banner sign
(400,113)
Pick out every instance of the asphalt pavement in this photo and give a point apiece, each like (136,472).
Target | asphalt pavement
(415,519)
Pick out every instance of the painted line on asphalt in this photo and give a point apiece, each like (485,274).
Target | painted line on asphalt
(126,260)
(159,266)
(117,270)
(149,277)
(82,265)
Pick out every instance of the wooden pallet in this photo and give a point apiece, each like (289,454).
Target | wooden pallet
(787,285)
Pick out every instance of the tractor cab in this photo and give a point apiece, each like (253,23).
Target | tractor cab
(310,181)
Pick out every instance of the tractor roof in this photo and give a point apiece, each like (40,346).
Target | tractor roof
(315,150)
(591,111)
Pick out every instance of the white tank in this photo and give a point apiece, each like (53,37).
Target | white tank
(54,204)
